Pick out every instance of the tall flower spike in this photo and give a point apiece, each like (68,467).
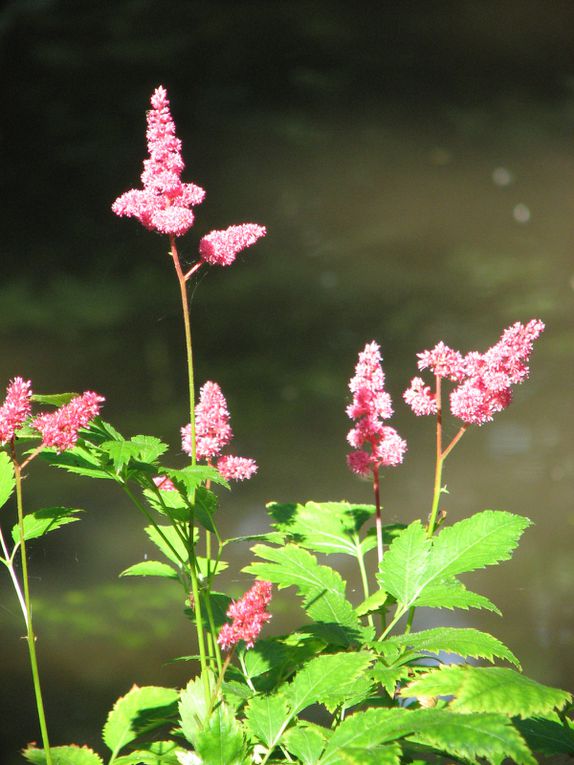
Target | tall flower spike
(59,429)
(213,433)
(16,408)
(163,205)
(220,248)
(376,445)
(249,614)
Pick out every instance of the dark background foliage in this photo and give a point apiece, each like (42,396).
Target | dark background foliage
(414,164)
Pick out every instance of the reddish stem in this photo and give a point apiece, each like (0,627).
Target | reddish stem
(378,522)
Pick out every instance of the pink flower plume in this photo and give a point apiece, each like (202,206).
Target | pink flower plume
(249,614)
(213,433)
(16,408)
(375,444)
(162,205)
(59,429)
(443,361)
(221,247)
(420,398)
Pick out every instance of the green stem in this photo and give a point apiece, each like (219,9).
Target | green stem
(198,615)
(217,688)
(378,522)
(364,580)
(439,461)
(9,563)
(212,628)
(188,345)
(399,613)
(31,638)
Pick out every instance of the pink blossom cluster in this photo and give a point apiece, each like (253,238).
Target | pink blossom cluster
(16,408)
(213,433)
(220,248)
(484,379)
(374,444)
(59,429)
(249,614)
(164,203)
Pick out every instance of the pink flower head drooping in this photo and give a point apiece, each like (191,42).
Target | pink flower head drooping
(16,408)
(375,444)
(59,429)
(490,375)
(443,362)
(163,205)
(213,433)
(420,398)
(221,247)
(249,614)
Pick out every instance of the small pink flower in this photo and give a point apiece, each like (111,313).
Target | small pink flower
(213,433)
(236,468)
(443,361)
(164,483)
(376,445)
(16,408)
(59,429)
(162,205)
(420,398)
(221,247)
(249,614)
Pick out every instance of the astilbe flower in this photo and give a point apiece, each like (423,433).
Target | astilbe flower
(163,205)
(489,376)
(420,397)
(16,408)
(249,614)
(375,444)
(443,362)
(213,433)
(221,247)
(59,429)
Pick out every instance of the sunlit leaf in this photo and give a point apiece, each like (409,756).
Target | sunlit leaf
(151,568)
(264,716)
(53,399)
(373,603)
(141,710)
(306,741)
(155,753)
(41,522)
(63,755)
(7,480)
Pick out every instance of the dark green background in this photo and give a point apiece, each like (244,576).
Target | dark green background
(366,138)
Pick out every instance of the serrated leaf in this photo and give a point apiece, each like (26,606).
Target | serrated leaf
(139,711)
(63,755)
(405,564)
(465,642)
(480,689)
(168,541)
(389,754)
(388,677)
(155,753)
(547,736)
(322,587)
(278,659)
(328,679)
(151,568)
(373,603)
(149,448)
(264,716)
(120,452)
(362,730)
(78,460)
(306,742)
(7,480)
(205,507)
(189,478)
(53,399)
(192,709)
(41,522)
(169,503)
(451,593)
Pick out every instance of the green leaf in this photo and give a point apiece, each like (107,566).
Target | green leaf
(467,736)
(264,716)
(192,709)
(547,736)
(40,522)
(420,571)
(139,711)
(389,754)
(373,603)
(53,399)
(63,755)
(205,507)
(151,568)
(464,642)
(306,742)
(388,677)
(155,753)
(328,679)
(79,460)
(149,448)
(322,588)
(221,741)
(169,542)
(7,480)
(325,527)
(480,689)
(220,603)
(189,478)
(169,503)
(120,452)
(278,658)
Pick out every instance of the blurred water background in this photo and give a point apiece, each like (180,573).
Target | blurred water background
(414,164)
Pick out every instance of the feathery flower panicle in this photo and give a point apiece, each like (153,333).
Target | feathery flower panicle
(443,362)
(420,398)
(220,248)
(213,433)
(59,429)
(249,614)
(375,444)
(16,408)
(489,376)
(163,205)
